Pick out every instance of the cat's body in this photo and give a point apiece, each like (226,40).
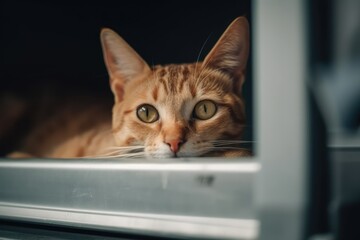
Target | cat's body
(78,127)
(173,110)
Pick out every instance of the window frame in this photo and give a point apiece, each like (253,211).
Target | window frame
(279,197)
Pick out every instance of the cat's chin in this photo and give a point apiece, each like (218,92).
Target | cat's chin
(160,155)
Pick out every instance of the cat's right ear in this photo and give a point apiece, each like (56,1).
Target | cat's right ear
(231,52)
(122,62)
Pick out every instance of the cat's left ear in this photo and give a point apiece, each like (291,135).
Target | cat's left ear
(231,52)
(122,62)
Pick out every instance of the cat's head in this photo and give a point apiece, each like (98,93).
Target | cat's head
(178,110)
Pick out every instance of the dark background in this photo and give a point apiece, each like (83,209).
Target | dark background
(44,41)
(56,43)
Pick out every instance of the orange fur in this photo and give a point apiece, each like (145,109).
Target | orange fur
(173,90)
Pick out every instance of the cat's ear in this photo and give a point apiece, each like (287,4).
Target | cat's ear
(231,52)
(122,62)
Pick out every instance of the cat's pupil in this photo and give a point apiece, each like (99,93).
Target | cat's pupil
(147,113)
(205,109)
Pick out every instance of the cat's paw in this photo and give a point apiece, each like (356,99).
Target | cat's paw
(19,155)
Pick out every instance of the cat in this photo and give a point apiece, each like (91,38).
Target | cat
(164,111)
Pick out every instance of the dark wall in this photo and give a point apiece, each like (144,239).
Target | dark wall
(59,41)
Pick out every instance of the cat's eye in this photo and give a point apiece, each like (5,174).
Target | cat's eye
(147,113)
(204,110)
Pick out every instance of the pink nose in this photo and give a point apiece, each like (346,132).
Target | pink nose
(174,144)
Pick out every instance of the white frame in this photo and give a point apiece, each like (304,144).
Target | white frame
(209,199)
(280,71)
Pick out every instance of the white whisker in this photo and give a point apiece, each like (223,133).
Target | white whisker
(125,147)
(120,151)
(114,152)
(221,148)
(199,55)
(230,141)
(124,155)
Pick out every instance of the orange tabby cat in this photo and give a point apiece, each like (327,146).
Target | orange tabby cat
(182,110)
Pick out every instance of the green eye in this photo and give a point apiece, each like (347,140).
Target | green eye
(147,113)
(205,109)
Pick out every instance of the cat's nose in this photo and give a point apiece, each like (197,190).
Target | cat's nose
(174,144)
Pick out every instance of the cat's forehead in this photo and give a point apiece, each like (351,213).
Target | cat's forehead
(173,81)
(175,71)
(175,86)
(188,79)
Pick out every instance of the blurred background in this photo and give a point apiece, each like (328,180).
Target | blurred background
(334,86)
